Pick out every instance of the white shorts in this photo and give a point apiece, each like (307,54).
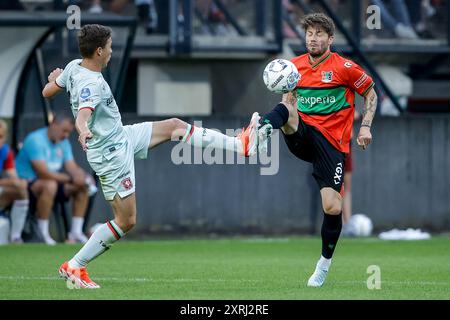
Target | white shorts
(116,170)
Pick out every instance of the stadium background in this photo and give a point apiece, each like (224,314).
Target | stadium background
(203,61)
(226,231)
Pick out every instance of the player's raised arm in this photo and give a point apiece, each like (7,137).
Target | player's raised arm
(52,88)
(370,106)
(82,127)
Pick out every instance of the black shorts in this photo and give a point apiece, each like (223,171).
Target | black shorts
(60,194)
(310,145)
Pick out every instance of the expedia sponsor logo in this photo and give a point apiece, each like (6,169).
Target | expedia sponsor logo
(312,101)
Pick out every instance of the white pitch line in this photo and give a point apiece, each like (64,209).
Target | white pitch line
(405,282)
(386,282)
(15,278)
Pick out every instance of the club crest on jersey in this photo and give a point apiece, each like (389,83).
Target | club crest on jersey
(127,184)
(327,76)
(85,92)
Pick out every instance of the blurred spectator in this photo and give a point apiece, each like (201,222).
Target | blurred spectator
(13,191)
(96,7)
(399,21)
(290,11)
(11,5)
(422,12)
(47,163)
(146,12)
(93,6)
(213,17)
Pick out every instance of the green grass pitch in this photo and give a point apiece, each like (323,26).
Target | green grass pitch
(235,268)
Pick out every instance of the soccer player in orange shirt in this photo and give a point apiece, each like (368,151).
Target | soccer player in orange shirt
(316,120)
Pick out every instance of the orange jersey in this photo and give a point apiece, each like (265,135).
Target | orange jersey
(326,95)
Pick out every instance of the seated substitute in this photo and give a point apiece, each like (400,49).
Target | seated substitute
(13,191)
(46,162)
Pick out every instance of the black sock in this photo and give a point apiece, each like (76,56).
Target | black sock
(331,229)
(277,117)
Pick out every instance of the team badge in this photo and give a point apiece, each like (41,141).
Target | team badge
(327,76)
(127,184)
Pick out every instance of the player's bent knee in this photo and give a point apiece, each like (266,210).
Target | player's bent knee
(333,207)
(50,187)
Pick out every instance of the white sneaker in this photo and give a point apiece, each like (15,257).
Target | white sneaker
(320,274)
(318,278)
(405,32)
(16,240)
(77,238)
(49,241)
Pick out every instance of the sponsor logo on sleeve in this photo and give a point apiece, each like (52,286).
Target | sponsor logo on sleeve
(85,93)
(358,83)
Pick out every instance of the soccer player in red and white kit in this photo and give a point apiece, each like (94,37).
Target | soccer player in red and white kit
(316,120)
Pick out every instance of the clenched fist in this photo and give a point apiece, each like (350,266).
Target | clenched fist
(54,74)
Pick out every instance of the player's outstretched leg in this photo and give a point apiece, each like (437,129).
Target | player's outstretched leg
(101,240)
(175,129)
(331,229)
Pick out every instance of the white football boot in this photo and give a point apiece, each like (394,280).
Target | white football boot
(320,274)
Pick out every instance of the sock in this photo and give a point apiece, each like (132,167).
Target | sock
(202,138)
(77,225)
(100,241)
(43,227)
(324,263)
(18,215)
(277,117)
(331,229)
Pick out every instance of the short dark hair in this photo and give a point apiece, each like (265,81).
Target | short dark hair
(318,19)
(91,37)
(61,116)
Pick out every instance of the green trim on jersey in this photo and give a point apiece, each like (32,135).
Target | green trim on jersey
(367,90)
(320,62)
(321,100)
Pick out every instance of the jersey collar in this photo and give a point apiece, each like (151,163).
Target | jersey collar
(325,56)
